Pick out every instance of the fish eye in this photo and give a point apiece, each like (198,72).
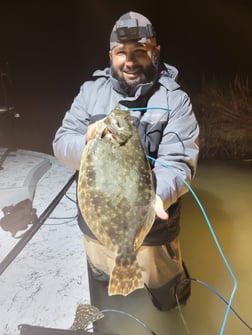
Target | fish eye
(117,124)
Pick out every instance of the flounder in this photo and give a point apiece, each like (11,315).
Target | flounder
(116,196)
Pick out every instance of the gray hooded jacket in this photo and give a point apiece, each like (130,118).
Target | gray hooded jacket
(168,130)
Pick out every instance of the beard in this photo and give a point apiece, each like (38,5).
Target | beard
(147,75)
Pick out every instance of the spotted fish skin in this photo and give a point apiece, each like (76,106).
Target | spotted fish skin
(116,196)
(85,315)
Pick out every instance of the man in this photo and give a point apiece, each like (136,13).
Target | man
(137,78)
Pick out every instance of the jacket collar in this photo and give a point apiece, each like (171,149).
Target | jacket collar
(167,78)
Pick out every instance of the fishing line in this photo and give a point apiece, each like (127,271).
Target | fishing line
(124,313)
(216,242)
(146,108)
(213,291)
(149,130)
(181,314)
(221,297)
(69,218)
(71,199)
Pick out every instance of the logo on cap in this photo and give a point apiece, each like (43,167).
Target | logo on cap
(131,27)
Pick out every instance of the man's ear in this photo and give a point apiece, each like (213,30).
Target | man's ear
(110,54)
(157,50)
(155,55)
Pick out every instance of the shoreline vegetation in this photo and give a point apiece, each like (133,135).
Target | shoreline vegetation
(224,113)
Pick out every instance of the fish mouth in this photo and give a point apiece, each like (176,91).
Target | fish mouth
(117,139)
(108,134)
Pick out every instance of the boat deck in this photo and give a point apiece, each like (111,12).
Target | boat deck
(48,278)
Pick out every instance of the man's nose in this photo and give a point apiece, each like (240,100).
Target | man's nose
(130,59)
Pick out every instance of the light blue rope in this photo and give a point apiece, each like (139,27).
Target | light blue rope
(145,108)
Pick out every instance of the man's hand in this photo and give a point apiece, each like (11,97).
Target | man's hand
(91,131)
(159,208)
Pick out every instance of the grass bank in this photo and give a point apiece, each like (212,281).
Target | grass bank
(224,112)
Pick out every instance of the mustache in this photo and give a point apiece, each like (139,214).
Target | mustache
(133,69)
(146,74)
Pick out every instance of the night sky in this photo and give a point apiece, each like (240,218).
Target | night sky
(53,46)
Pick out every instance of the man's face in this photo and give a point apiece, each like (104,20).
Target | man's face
(132,62)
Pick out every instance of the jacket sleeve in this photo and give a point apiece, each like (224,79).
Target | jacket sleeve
(178,150)
(69,140)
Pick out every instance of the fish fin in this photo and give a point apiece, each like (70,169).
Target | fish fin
(85,315)
(144,230)
(126,276)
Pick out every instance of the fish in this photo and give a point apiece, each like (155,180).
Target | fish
(85,315)
(116,196)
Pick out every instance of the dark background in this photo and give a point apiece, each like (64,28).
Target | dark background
(53,46)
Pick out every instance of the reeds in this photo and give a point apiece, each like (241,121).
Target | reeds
(224,112)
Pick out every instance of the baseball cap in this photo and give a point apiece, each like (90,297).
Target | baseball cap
(132,26)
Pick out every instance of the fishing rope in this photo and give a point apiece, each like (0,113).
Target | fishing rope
(208,223)
(181,314)
(219,296)
(145,108)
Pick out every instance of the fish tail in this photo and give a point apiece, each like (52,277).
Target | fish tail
(126,276)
